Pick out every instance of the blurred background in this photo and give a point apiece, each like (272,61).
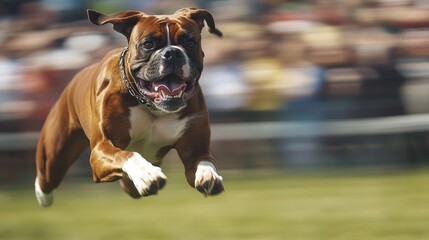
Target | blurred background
(293,87)
(294,84)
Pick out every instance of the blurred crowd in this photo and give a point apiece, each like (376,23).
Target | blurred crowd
(279,60)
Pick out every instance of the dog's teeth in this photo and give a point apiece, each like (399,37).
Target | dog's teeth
(164,95)
(156,88)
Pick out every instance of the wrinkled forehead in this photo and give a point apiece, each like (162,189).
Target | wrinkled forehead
(161,25)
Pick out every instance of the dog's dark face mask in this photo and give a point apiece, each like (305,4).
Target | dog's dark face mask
(165,58)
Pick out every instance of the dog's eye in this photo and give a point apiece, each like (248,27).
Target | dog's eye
(148,45)
(191,43)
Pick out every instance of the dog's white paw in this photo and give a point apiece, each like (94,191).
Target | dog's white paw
(207,180)
(44,199)
(147,178)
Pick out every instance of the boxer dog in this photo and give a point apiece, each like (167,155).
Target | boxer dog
(134,106)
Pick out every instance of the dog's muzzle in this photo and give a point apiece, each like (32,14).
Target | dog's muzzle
(168,79)
(172,55)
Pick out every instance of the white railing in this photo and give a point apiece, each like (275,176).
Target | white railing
(308,129)
(275,130)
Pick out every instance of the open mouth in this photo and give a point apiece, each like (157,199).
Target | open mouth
(170,87)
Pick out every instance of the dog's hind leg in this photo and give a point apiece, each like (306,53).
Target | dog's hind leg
(58,148)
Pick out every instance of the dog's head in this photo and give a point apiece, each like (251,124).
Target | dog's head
(164,57)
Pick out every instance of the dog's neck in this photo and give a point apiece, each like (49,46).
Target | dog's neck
(132,86)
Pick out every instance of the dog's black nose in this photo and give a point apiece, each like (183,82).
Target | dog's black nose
(172,54)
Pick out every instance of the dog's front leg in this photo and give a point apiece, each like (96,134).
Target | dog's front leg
(110,163)
(207,180)
(200,170)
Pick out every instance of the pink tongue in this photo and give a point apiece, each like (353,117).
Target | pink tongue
(170,86)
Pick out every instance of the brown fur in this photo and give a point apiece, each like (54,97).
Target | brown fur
(94,111)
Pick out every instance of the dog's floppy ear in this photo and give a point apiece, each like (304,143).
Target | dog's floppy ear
(199,16)
(123,22)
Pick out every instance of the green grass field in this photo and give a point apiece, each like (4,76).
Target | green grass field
(261,205)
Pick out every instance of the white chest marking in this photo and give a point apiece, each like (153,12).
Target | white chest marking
(149,133)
